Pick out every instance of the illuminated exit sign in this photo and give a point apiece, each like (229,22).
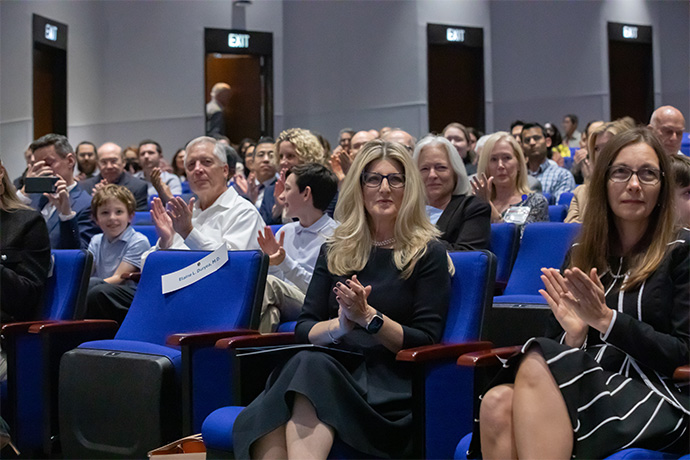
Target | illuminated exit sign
(455,35)
(238,40)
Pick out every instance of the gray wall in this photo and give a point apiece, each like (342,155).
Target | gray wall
(135,68)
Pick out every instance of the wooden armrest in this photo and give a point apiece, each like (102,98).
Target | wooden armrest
(205,338)
(134,276)
(259,340)
(488,357)
(20,327)
(440,351)
(682,373)
(74,326)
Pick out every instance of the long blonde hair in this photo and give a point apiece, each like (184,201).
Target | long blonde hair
(521,183)
(599,232)
(8,197)
(351,243)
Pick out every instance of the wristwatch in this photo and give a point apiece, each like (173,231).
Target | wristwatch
(375,323)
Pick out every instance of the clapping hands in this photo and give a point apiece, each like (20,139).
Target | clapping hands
(578,302)
(272,248)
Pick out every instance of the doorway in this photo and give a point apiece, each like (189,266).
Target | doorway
(243,74)
(455,66)
(49,77)
(631,72)
(243,60)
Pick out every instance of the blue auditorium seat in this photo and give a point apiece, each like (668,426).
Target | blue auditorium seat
(442,403)
(565,198)
(149,231)
(557,212)
(142,218)
(521,308)
(134,399)
(30,378)
(505,241)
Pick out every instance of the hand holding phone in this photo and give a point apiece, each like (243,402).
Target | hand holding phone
(40,184)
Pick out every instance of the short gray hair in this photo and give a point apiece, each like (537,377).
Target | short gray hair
(218,149)
(462,183)
(62,145)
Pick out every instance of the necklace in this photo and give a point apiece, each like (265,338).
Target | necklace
(383,243)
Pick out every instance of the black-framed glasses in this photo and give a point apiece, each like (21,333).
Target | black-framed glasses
(646,175)
(373,180)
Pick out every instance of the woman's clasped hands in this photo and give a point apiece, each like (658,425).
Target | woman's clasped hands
(352,301)
(577,300)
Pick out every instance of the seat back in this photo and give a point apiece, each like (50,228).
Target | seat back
(142,218)
(149,231)
(544,244)
(505,240)
(565,198)
(472,289)
(228,298)
(65,293)
(557,212)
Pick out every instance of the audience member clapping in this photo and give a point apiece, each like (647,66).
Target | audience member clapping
(501,181)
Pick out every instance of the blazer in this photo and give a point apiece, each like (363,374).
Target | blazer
(465,224)
(266,208)
(138,187)
(24,264)
(75,233)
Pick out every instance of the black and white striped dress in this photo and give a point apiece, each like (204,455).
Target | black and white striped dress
(618,387)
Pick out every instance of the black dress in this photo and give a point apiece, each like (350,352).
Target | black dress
(368,407)
(618,389)
(465,224)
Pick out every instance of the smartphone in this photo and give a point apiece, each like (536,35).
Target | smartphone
(43,184)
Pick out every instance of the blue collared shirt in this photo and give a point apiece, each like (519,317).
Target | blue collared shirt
(107,255)
(554,179)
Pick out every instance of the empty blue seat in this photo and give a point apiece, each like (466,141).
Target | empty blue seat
(133,399)
(149,231)
(557,212)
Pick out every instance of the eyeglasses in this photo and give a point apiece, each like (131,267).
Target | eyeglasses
(373,180)
(647,176)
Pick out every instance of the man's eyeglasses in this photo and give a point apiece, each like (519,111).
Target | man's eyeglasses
(374,180)
(647,176)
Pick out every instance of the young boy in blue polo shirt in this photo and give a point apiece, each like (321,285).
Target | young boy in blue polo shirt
(119,248)
(309,189)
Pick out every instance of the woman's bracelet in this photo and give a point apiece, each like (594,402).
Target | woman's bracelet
(333,339)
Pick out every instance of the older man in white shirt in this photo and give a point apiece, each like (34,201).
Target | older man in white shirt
(220,216)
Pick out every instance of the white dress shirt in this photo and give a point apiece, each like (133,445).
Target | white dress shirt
(230,219)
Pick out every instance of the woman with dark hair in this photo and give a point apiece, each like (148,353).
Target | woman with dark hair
(178,165)
(620,326)
(459,136)
(558,149)
(380,285)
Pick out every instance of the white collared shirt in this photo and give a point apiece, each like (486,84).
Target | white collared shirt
(302,245)
(230,220)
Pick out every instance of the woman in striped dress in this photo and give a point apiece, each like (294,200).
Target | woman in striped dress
(621,317)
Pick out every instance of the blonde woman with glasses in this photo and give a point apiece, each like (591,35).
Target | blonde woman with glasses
(380,284)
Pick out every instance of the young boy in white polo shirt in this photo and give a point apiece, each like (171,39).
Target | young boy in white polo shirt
(309,189)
